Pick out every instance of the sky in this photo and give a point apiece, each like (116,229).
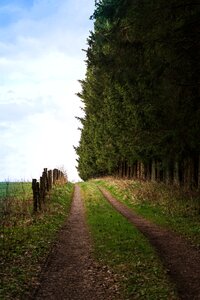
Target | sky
(41,61)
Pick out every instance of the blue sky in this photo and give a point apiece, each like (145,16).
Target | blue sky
(41,62)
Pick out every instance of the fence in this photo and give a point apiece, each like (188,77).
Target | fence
(42,188)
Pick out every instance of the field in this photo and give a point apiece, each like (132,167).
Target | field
(15,201)
(15,190)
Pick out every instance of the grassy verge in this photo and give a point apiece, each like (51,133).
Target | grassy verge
(25,245)
(124,249)
(165,205)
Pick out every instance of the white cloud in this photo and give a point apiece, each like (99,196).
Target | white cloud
(40,63)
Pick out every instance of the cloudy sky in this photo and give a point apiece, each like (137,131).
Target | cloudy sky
(40,63)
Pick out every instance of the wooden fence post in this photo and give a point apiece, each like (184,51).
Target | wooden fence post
(55,174)
(45,179)
(50,179)
(38,195)
(41,188)
(35,198)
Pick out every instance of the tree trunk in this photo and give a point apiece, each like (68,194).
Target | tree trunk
(132,171)
(167,174)
(199,173)
(129,172)
(176,173)
(187,175)
(125,169)
(153,170)
(122,169)
(142,171)
(135,170)
(157,171)
(138,170)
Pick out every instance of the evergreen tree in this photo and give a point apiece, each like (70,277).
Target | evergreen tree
(141,91)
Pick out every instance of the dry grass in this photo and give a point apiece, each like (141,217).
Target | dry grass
(172,199)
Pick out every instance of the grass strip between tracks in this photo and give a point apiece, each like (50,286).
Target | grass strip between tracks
(124,249)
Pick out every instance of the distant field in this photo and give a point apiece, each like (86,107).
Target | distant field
(15,202)
(17,190)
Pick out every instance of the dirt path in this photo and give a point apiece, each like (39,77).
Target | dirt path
(70,272)
(181,259)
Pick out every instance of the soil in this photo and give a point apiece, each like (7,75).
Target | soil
(71,273)
(180,258)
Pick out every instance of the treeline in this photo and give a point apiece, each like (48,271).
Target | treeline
(141,92)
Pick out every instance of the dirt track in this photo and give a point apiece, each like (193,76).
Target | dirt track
(179,257)
(70,272)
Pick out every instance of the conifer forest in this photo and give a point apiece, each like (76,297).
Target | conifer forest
(141,92)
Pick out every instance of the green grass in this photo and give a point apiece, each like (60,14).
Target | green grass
(164,205)
(25,246)
(15,201)
(124,249)
(19,190)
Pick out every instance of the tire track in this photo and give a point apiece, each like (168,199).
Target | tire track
(179,257)
(71,272)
